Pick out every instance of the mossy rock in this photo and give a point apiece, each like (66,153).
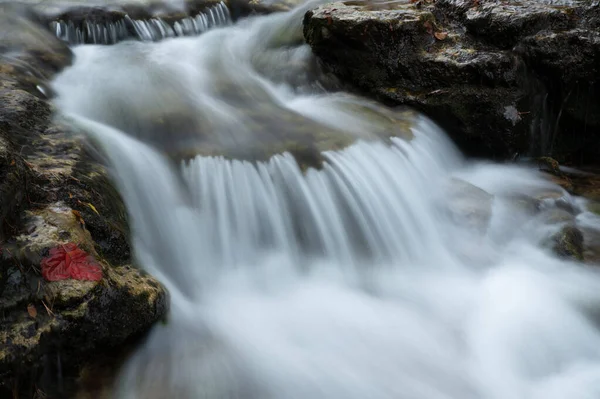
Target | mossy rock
(568,243)
(52,192)
(68,321)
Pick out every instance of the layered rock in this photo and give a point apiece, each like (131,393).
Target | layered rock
(504,78)
(53,192)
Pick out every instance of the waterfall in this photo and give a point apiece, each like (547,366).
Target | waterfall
(153,29)
(393,268)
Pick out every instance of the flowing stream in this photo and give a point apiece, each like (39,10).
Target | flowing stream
(395,269)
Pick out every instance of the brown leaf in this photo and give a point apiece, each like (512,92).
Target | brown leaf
(78,217)
(440,35)
(13,162)
(32,310)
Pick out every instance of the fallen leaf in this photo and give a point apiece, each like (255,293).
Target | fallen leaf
(13,163)
(78,217)
(69,261)
(440,35)
(32,310)
(93,208)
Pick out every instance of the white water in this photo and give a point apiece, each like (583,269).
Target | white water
(360,280)
(153,29)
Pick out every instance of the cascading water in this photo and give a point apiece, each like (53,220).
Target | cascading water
(153,29)
(361,279)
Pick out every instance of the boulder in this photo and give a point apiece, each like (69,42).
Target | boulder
(504,78)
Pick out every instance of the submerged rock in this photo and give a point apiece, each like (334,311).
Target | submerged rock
(503,77)
(469,205)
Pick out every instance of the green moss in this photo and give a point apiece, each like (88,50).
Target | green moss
(568,243)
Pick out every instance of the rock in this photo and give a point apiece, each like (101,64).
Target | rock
(13,181)
(568,243)
(491,73)
(253,127)
(102,12)
(35,52)
(591,240)
(585,184)
(109,22)
(53,191)
(242,8)
(73,319)
(469,205)
(594,207)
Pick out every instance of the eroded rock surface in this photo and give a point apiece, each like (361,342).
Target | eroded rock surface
(505,78)
(53,192)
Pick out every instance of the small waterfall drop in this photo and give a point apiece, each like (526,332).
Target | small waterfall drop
(153,29)
(367,275)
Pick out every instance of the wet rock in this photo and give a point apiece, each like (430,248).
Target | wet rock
(33,51)
(73,319)
(102,22)
(13,180)
(242,8)
(54,191)
(594,207)
(568,64)
(568,243)
(469,205)
(591,239)
(305,139)
(396,55)
(505,78)
(585,184)
(102,12)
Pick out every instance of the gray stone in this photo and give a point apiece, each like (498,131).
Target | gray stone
(504,78)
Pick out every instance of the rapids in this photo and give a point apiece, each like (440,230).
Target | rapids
(353,280)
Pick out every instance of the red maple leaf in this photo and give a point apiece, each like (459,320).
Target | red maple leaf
(69,261)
